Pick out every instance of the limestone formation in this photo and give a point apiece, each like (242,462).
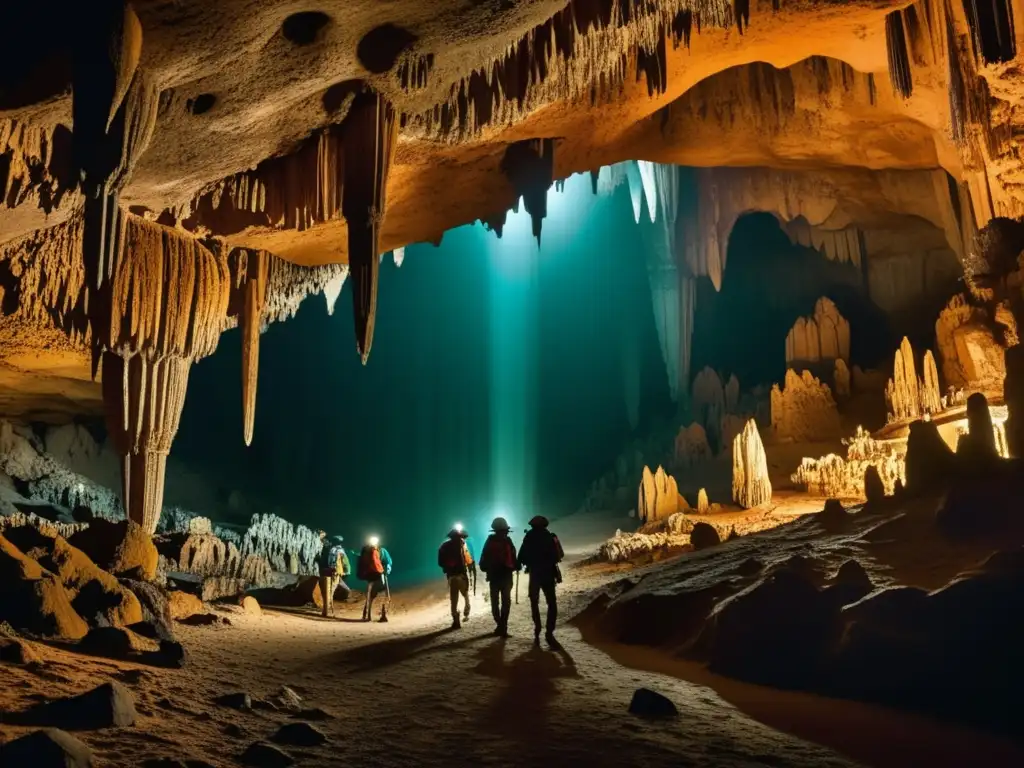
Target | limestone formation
(288,548)
(658,497)
(254,272)
(703,505)
(692,446)
(707,404)
(803,410)
(972,356)
(841,378)
(907,396)
(824,336)
(750,484)
(979,444)
(868,461)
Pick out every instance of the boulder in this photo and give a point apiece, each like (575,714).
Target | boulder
(251,606)
(14,650)
(298,735)
(648,703)
(704,535)
(776,632)
(286,698)
(121,548)
(874,488)
(34,600)
(931,465)
(834,516)
(239,700)
(155,608)
(48,748)
(262,755)
(107,706)
(181,605)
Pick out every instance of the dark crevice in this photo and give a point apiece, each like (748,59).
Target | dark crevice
(305,28)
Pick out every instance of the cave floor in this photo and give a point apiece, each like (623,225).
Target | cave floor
(411,692)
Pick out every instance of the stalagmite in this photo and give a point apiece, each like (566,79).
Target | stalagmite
(841,378)
(254,267)
(703,505)
(823,337)
(803,409)
(972,357)
(691,447)
(867,461)
(658,496)
(530,166)
(750,484)
(907,396)
(732,394)
(371,130)
(707,404)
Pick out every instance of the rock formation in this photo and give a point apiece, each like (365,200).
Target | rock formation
(750,484)
(707,404)
(832,476)
(972,357)
(658,497)
(803,410)
(692,446)
(841,378)
(822,337)
(907,396)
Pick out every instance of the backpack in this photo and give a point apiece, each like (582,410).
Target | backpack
(498,554)
(328,561)
(451,556)
(370,567)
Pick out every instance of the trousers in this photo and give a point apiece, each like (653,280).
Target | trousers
(545,584)
(327,585)
(458,585)
(373,588)
(501,597)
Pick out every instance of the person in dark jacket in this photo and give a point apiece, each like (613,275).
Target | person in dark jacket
(498,562)
(539,554)
(454,559)
(333,565)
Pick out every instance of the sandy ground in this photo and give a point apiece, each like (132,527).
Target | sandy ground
(412,692)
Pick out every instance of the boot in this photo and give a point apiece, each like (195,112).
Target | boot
(536,635)
(383,615)
(456,624)
(465,613)
(549,636)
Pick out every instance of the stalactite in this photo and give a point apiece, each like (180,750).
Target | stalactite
(371,131)
(413,71)
(530,166)
(164,306)
(992,30)
(398,256)
(293,191)
(899,59)
(566,58)
(650,187)
(636,189)
(254,286)
(595,177)
(682,26)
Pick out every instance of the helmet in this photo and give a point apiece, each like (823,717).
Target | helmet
(499,524)
(455,533)
(539,521)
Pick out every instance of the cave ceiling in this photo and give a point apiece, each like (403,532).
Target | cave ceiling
(173,169)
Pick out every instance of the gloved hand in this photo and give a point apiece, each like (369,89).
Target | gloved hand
(388,570)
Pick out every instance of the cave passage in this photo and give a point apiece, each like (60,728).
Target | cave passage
(496,385)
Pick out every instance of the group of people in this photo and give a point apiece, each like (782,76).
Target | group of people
(373,567)
(539,554)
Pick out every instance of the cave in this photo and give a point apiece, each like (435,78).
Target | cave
(356,353)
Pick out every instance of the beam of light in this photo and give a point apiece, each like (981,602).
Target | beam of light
(374,541)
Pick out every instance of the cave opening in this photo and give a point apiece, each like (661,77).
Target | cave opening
(497,382)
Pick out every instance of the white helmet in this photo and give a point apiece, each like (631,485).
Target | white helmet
(499,524)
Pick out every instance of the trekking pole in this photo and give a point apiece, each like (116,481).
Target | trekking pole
(517,587)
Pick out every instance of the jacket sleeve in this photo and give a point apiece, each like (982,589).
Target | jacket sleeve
(523,558)
(346,564)
(440,557)
(385,560)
